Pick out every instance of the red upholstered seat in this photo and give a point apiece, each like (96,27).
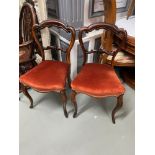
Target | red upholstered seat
(98,80)
(48,75)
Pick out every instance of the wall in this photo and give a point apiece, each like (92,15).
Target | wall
(88,21)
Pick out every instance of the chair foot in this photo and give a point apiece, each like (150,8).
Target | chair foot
(74,115)
(31,106)
(117,107)
(25,92)
(64,100)
(73,100)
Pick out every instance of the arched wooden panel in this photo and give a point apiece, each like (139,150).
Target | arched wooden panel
(110,18)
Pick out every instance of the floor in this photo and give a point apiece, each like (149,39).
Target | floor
(45,131)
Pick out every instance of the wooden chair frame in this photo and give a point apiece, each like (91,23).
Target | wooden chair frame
(68,29)
(60,25)
(119,33)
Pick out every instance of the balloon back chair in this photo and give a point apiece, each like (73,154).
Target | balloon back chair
(49,75)
(96,79)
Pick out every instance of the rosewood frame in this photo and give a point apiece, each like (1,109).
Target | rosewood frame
(120,33)
(58,24)
(68,29)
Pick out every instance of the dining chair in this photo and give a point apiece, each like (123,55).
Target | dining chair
(49,75)
(96,79)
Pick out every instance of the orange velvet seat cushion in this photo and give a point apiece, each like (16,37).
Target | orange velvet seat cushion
(47,76)
(99,80)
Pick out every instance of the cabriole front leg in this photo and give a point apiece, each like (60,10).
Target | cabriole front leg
(117,107)
(69,80)
(64,100)
(25,92)
(73,100)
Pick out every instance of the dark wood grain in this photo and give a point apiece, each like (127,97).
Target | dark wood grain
(37,29)
(73,100)
(64,100)
(25,92)
(60,25)
(117,107)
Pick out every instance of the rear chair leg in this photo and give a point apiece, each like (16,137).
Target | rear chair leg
(73,100)
(117,107)
(69,80)
(25,92)
(64,100)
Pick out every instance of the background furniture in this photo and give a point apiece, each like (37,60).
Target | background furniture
(127,62)
(128,70)
(96,79)
(131,9)
(125,59)
(27,46)
(49,75)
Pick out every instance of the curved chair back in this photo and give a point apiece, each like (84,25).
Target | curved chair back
(59,25)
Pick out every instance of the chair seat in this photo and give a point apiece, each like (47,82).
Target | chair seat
(47,76)
(98,80)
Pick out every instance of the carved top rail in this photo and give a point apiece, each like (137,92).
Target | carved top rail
(60,25)
(120,33)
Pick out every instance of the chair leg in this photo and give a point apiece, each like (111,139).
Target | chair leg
(117,107)
(73,100)
(25,92)
(69,80)
(64,100)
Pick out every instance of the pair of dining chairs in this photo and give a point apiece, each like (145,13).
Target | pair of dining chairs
(95,79)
